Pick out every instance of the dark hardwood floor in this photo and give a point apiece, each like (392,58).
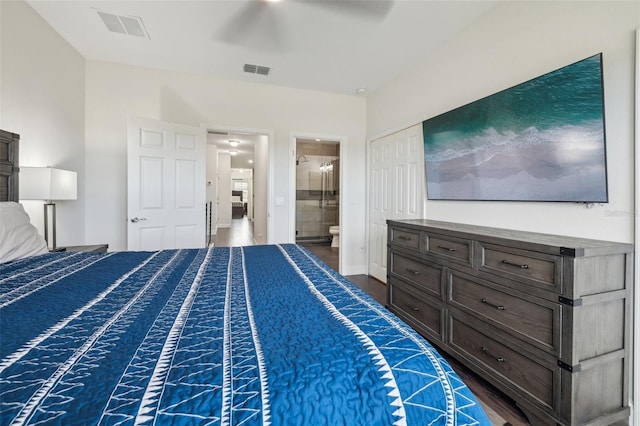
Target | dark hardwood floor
(241,234)
(326,253)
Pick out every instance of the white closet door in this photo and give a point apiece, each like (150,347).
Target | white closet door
(396,189)
(380,170)
(414,174)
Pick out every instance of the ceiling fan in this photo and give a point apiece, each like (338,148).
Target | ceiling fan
(260,23)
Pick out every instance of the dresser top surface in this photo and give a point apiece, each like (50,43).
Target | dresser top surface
(581,246)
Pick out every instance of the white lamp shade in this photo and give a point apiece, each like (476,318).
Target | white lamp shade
(48,183)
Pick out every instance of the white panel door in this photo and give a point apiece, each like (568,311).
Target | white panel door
(399,182)
(166,185)
(416,192)
(396,189)
(379,205)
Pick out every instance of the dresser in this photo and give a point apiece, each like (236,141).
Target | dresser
(544,318)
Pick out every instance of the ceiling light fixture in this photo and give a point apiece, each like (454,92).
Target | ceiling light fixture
(360,90)
(233,152)
(234,142)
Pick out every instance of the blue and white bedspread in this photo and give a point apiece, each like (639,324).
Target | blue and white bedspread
(224,336)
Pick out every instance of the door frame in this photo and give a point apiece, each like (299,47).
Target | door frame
(270,169)
(342,142)
(635,326)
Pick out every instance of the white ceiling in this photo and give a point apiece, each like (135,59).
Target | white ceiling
(326,45)
(245,149)
(335,46)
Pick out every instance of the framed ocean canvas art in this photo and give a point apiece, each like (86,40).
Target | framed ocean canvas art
(542,140)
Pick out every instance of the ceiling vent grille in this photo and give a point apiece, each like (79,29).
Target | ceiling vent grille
(131,25)
(256,69)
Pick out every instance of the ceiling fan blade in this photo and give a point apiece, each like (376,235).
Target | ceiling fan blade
(255,26)
(369,9)
(236,29)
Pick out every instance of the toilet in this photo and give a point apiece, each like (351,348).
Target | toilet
(335,232)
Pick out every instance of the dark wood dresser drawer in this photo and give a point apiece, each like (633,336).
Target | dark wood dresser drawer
(424,316)
(539,269)
(530,376)
(405,237)
(534,320)
(423,275)
(450,248)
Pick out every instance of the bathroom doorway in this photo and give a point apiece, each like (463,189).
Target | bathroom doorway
(317,207)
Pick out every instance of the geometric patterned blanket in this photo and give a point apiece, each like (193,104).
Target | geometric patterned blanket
(259,335)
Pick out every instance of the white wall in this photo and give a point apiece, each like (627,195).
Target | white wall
(513,43)
(1,37)
(260,189)
(115,91)
(43,81)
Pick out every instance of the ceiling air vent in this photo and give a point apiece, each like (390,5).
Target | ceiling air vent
(256,69)
(131,25)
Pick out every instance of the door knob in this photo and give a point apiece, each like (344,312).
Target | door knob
(137,219)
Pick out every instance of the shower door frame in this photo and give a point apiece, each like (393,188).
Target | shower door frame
(341,140)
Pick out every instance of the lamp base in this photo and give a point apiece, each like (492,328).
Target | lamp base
(51,240)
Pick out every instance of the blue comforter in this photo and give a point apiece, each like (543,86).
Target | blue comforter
(224,336)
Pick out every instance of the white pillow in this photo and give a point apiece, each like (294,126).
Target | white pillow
(18,237)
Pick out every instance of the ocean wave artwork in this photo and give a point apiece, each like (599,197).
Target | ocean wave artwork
(542,140)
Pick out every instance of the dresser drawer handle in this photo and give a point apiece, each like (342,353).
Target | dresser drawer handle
(446,248)
(413,308)
(486,302)
(517,265)
(413,271)
(403,238)
(497,358)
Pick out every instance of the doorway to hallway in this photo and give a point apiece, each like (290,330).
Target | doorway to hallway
(239,173)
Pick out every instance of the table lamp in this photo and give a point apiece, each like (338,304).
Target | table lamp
(48,184)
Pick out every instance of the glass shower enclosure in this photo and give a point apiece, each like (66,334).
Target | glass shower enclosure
(317,193)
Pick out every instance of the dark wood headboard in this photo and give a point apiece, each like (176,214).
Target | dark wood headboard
(9,144)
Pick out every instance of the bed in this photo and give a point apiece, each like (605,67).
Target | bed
(238,207)
(225,336)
